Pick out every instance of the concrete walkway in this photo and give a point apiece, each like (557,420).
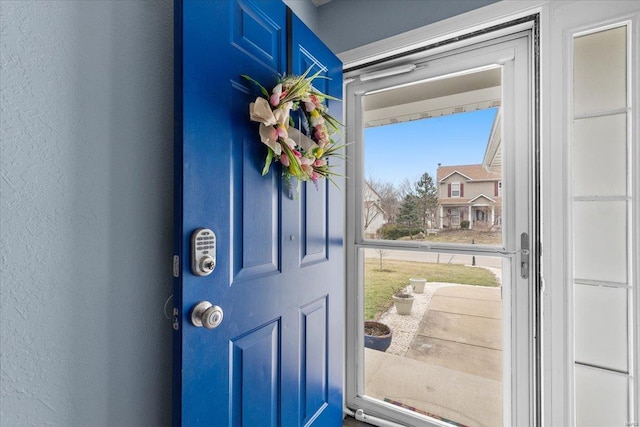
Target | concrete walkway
(453,368)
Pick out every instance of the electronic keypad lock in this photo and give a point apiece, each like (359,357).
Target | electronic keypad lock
(203,252)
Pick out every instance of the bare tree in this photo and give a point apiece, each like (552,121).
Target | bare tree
(371,208)
(407,188)
(370,212)
(388,196)
(381,254)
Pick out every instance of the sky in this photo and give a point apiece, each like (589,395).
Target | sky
(407,150)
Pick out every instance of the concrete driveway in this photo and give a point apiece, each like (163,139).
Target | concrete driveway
(453,368)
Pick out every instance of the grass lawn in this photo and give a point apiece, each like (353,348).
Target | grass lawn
(379,285)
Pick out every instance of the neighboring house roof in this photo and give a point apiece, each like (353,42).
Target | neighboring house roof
(372,197)
(471,172)
(369,193)
(457,172)
(483,196)
(457,201)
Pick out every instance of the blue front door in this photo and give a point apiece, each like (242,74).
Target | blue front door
(276,359)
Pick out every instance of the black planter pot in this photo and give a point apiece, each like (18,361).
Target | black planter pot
(380,343)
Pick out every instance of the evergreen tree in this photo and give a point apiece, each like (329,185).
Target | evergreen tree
(427,200)
(409,212)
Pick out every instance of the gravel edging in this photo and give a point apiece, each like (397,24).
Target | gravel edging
(404,327)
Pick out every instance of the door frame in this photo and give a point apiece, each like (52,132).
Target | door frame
(434,40)
(556,21)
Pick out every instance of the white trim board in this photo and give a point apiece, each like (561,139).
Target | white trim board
(493,14)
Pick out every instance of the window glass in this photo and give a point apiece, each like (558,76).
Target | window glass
(455,189)
(433,161)
(433,334)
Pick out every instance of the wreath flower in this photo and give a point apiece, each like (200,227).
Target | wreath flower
(304,154)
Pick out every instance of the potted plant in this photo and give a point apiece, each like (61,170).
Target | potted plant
(403,301)
(418,284)
(377,335)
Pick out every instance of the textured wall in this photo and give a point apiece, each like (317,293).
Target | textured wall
(347,24)
(86,212)
(306,11)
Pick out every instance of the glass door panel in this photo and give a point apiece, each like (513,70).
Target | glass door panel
(442,177)
(434,334)
(440,185)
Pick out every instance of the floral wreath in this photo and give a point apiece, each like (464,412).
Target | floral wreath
(303,154)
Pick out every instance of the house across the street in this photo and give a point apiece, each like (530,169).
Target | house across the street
(473,192)
(469,193)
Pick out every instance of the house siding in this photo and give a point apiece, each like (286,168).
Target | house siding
(484,212)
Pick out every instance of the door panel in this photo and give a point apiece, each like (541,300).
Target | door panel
(255,361)
(257,32)
(316,200)
(314,345)
(255,237)
(314,232)
(276,358)
(320,262)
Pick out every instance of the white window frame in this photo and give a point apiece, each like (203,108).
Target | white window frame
(518,398)
(455,213)
(455,194)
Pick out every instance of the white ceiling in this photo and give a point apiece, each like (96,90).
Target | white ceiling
(434,98)
(435,88)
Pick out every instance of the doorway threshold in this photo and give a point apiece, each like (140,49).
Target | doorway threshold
(352,422)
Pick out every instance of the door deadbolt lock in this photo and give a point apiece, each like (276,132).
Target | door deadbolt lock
(206,265)
(203,252)
(206,314)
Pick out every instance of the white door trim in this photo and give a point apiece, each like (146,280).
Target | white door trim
(467,23)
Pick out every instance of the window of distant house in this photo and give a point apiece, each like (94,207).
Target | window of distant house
(455,189)
(499,188)
(455,216)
